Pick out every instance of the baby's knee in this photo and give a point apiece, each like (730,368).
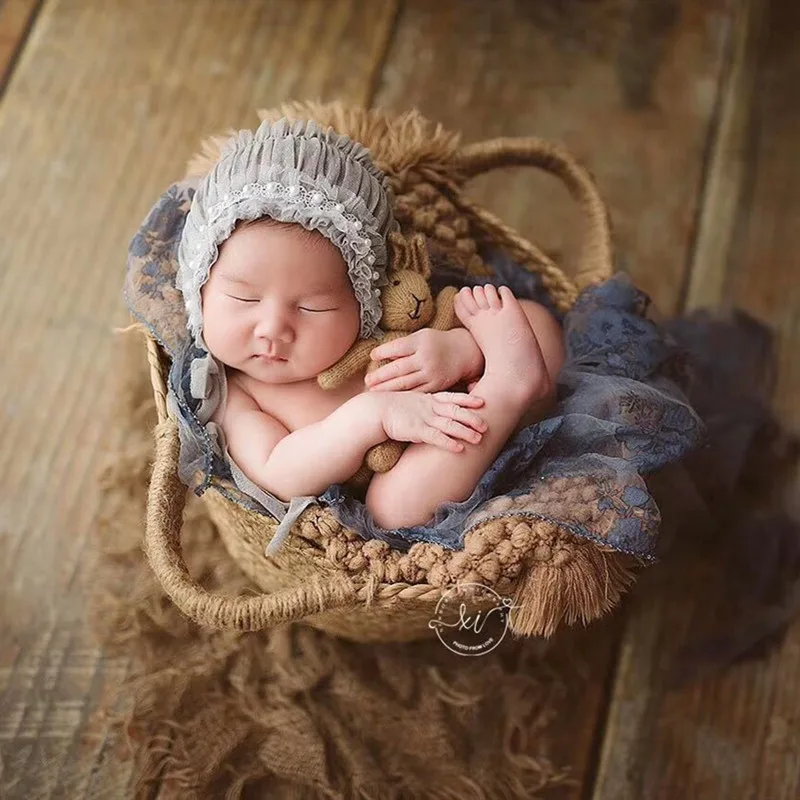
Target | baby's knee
(389,507)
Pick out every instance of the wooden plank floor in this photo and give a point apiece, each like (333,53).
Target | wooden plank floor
(736,734)
(103,102)
(107,101)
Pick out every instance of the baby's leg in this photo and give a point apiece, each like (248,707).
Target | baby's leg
(550,336)
(515,377)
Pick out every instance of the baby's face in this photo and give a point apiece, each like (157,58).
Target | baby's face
(278,304)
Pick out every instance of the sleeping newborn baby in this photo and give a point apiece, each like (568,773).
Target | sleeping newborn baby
(281,265)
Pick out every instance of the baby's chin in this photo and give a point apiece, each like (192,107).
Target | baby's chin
(277,373)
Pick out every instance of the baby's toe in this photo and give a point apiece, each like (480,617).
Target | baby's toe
(507,296)
(481,300)
(492,297)
(466,300)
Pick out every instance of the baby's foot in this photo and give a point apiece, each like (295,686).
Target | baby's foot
(512,355)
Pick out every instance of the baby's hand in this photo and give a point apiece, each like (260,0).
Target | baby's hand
(425,361)
(444,419)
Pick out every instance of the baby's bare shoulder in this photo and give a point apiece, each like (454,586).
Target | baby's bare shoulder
(240,402)
(285,404)
(250,430)
(239,398)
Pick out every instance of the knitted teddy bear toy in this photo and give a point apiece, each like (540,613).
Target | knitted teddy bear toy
(408,306)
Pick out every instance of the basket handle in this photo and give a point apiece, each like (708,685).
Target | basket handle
(597,263)
(166,500)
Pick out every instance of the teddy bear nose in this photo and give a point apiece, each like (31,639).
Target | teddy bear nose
(420,301)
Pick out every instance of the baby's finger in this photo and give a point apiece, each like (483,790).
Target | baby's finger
(455,430)
(430,386)
(406,383)
(395,349)
(394,369)
(459,398)
(439,439)
(461,415)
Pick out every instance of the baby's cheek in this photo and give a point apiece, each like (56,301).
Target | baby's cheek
(210,337)
(328,346)
(222,336)
(343,338)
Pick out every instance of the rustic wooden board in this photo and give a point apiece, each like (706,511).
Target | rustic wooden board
(628,87)
(765,268)
(735,734)
(105,104)
(16,18)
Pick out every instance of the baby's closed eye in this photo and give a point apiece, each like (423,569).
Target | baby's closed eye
(244,299)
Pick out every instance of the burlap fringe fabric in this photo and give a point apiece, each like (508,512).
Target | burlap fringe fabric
(328,576)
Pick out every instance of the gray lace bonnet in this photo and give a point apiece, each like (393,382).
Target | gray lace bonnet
(294,172)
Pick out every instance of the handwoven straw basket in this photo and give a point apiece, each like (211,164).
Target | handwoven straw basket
(330,577)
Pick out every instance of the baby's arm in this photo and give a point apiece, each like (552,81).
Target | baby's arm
(426,361)
(309,460)
(306,461)
(432,360)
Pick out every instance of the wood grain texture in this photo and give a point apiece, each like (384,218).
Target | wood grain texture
(765,264)
(765,280)
(106,103)
(735,734)
(727,164)
(631,89)
(16,17)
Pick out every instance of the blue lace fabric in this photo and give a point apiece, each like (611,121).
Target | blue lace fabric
(621,414)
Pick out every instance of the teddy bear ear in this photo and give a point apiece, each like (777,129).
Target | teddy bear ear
(409,253)
(399,252)
(418,256)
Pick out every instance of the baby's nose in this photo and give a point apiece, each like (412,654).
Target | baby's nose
(275,327)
